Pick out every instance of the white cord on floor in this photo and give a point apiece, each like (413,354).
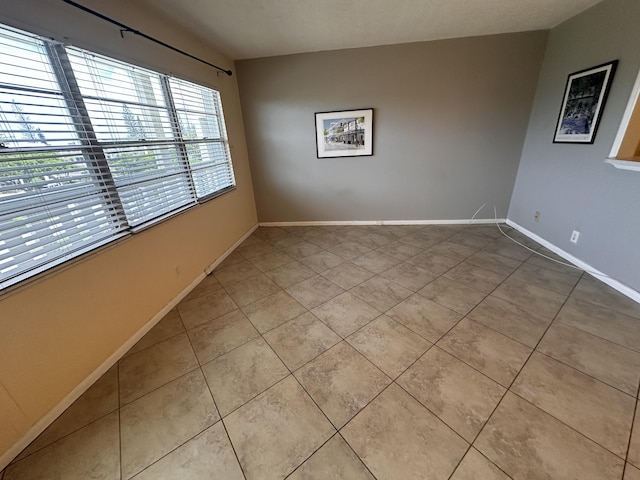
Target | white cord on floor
(495,216)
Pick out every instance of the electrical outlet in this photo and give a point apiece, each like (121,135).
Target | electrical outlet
(574,236)
(536,216)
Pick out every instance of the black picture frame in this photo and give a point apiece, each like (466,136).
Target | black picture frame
(344,133)
(583,102)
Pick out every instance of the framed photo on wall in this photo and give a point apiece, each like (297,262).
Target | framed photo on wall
(345,133)
(584,97)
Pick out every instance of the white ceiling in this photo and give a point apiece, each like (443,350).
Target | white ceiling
(244,29)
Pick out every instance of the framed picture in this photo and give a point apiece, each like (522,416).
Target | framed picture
(346,133)
(584,98)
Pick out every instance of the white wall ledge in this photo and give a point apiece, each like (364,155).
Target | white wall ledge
(623,164)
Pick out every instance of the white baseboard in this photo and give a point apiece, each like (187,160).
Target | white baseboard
(612,282)
(475,221)
(66,402)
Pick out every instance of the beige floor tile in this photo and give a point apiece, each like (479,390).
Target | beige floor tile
(396,437)
(559,282)
(490,231)
(99,400)
(208,455)
(276,431)
(169,326)
(91,452)
(424,317)
(529,444)
(272,311)
(341,382)
(271,261)
(631,473)
(602,322)
(459,395)
(322,261)
(270,233)
(381,293)
(634,445)
(235,273)
(494,262)
(221,335)
(300,340)
(345,314)
(596,292)
(375,261)
(334,460)
(374,240)
(400,250)
(421,241)
(301,250)
(232,259)
(290,274)
(314,291)
(251,240)
(598,411)
(348,250)
(326,240)
(255,249)
(209,284)
(536,299)
(251,290)
(153,367)
(389,345)
(507,248)
(490,352)
(155,424)
(238,376)
(453,250)
(348,275)
(450,294)
(285,242)
(470,240)
(549,263)
(475,466)
(205,308)
(475,277)
(409,276)
(608,362)
(511,320)
(435,263)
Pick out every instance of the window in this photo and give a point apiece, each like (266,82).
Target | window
(93,149)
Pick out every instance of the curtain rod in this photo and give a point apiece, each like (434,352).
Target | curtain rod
(126,28)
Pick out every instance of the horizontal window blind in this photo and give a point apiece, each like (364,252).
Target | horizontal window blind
(93,149)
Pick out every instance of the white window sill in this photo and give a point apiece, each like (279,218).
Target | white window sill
(623,164)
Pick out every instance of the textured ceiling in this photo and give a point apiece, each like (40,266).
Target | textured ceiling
(260,28)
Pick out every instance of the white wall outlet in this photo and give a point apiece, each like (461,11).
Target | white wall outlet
(536,216)
(574,236)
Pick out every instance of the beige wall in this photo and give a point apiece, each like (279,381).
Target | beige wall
(449,121)
(58,330)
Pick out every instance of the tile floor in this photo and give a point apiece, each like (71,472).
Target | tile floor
(386,352)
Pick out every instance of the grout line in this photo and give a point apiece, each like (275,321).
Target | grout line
(631,432)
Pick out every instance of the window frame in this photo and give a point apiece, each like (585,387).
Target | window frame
(218,170)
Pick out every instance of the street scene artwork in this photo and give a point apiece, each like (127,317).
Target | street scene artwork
(346,133)
(583,102)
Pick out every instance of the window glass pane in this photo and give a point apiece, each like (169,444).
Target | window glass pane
(200,117)
(125,103)
(151,181)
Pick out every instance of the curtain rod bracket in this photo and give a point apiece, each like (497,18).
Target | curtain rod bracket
(126,28)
